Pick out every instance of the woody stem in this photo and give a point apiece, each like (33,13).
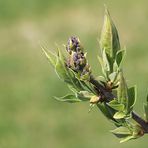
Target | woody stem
(110,96)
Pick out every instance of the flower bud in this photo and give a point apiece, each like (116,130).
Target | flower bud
(77,59)
(94,99)
(73,45)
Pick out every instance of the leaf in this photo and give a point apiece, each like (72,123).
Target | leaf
(94,99)
(119,57)
(127,138)
(137,131)
(121,132)
(72,88)
(65,74)
(146,109)
(75,84)
(119,115)
(106,63)
(50,56)
(88,87)
(115,105)
(132,96)
(68,98)
(61,70)
(100,78)
(85,77)
(84,95)
(122,90)
(109,37)
(107,111)
(102,65)
(113,76)
(115,66)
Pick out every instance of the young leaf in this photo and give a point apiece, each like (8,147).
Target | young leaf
(119,115)
(61,70)
(119,57)
(50,56)
(68,98)
(106,62)
(146,110)
(132,96)
(94,99)
(64,73)
(109,37)
(113,76)
(107,111)
(116,67)
(127,138)
(84,95)
(121,132)
(102,66)
(137,131)
(115,105)
(85,77)
(75,82)
(73,88)
(122,90)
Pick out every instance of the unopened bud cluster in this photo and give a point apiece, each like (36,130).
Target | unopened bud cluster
(77,58)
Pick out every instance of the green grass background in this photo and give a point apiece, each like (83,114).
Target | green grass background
(29,116)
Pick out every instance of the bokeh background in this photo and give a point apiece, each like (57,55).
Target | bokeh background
(29,116)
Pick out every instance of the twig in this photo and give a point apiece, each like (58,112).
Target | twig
(109,96)
(140,121)
(103,91)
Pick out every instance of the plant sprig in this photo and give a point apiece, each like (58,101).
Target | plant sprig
(112,95)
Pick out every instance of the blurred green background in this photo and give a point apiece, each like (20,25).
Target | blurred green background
(29,116)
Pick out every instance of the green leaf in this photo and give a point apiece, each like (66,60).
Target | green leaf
(132,96)
(119,115)
(68,98)
(116,67)
(65,73)
(115,105)
(106,63)
(113,76)
(109,37)
(137,131)
(127,139)
(121,132)
(88,87)
(119,57)
(73,88)
(50,56)
(122,90)
(100,78)
(102,65)
(84,95)
(107,111)
(75,83)
(61,70)
(85,77)
(146,110)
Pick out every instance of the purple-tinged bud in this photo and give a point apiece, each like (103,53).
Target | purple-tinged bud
(73,45)
(77,59)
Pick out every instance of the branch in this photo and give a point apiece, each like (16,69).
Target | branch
(110,96)
(103,91)
(140,121)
